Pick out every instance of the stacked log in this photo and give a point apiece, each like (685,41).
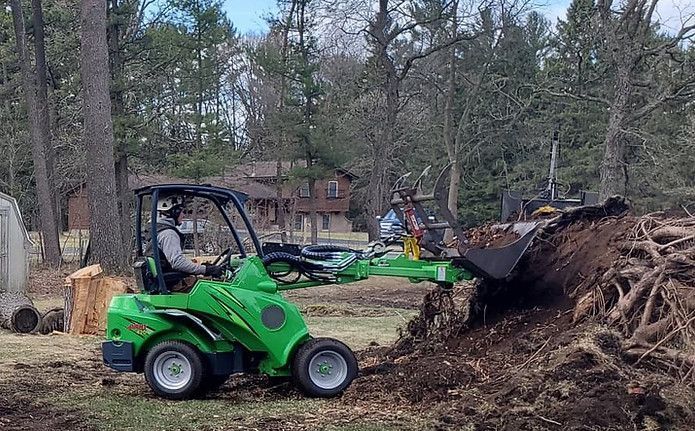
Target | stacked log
(18,314)
(88,293)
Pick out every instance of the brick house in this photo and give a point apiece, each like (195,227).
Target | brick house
(260,196)
(332,200)
(259,181)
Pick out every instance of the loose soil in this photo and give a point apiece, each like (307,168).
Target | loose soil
(24,415)
(508,355)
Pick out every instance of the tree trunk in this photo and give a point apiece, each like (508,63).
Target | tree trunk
(115,34)
(279,205)
(52,320)
(196,237)
(106,243)
(449,135)
(384,149)
(312,211)
(375,192)
(17,313)
(124,196)
(39,127)
(613,166)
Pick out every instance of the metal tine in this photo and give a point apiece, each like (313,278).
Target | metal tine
(400,181)
(418,182)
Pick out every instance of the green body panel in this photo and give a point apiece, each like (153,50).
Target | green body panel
(230,312)
(416,270)
(131,318)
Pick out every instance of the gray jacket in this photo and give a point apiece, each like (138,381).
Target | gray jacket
(169,243)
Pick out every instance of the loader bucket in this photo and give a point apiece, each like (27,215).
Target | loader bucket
(498,262)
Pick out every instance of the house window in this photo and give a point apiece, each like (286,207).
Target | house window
(333,189)
(299,222)
(325,222)
(304,191)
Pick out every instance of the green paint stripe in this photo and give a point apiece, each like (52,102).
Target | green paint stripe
(232,313)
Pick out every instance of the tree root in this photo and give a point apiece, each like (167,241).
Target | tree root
(650,293)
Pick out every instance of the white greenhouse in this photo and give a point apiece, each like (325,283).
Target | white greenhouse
(15,246)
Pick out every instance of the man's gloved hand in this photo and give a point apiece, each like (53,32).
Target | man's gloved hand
(215,271)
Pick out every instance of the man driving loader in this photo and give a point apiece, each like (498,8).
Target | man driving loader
(170,210)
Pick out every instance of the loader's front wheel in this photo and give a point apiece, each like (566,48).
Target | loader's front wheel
(324,367)
(174,370)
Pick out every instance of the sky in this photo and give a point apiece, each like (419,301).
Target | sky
(248,15)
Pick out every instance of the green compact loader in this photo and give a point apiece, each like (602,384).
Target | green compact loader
(187,343)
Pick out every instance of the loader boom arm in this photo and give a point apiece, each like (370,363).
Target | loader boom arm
(441,272)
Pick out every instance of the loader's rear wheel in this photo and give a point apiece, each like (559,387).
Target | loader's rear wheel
(324,367)
(174,370)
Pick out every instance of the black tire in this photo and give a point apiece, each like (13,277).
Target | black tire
(328,356)
(184,380)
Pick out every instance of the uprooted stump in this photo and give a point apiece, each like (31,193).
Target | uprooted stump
(18,314)
(634,273)
(650,292)
(600,313)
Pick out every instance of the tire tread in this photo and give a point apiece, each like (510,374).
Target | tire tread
(197,368)
(304,354)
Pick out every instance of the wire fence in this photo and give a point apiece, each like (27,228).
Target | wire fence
(73,244)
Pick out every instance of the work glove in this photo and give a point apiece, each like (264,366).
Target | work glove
(215,271)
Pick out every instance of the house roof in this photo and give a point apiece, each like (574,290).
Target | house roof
(253,189)
(241,178)
(268,169)
(15,208)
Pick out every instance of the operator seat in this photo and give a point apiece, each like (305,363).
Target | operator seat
(146,276)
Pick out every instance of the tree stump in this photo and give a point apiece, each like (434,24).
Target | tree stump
(52,320)
(87,294)
(17,313)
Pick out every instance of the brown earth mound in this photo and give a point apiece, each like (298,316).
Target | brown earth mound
(529,354)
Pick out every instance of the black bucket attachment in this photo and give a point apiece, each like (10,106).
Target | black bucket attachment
(492,263)
(498,262)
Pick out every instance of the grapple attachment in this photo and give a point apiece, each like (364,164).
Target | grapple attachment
(494,262)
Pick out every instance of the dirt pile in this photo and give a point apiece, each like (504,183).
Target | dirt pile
(490,235)
(553,346)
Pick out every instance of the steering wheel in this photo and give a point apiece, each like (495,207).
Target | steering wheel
(224,256)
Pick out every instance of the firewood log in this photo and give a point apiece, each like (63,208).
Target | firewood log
(18,314)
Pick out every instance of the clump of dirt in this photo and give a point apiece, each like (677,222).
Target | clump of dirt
(512,355)
(490,235)
(568,261)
